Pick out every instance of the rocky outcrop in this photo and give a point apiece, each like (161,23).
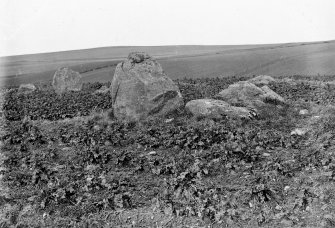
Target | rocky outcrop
(246,94)
(216,109)
(26,88)
(140,88)
(66,79)
(262,80)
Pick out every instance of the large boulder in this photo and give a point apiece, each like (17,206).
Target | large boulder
(26,88)
(66,79)
(262,80)
(140,88)
(246,94)
(217,109)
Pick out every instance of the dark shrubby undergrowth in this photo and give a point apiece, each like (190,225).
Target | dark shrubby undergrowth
(305,91)
(46,104)
(78,169)
(192,89)
(225,172)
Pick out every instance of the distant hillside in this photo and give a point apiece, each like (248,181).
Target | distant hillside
(98,64)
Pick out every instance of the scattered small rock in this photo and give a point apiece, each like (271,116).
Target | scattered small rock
(303,112)
(299,131)
(151,153)
(168,120)
(96,127)
(278,207)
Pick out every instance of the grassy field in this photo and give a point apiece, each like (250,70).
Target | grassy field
(178,61)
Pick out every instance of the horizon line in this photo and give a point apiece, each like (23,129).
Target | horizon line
(169,45)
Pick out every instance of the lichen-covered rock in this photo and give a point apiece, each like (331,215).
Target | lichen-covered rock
(140,88)
(66,79)
(262,80)
(27,88)
(246,94)
(212,108)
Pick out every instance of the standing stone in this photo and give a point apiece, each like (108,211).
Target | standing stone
(66,79)
(27,88)
(140,88)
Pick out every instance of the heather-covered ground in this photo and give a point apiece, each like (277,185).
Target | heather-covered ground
(68,163)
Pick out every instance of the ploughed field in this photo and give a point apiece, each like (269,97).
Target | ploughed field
(178,61)
(68,163)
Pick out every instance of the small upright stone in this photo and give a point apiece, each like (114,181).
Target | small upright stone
(66,79)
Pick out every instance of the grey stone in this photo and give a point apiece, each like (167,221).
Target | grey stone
(246,94)
(140,89)
(216,109)
(27,88)
(66,79)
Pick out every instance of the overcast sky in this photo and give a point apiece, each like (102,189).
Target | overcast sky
(37,26)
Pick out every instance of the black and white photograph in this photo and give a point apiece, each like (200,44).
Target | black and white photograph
(167,114)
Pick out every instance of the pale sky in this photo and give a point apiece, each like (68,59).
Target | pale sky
(35,26)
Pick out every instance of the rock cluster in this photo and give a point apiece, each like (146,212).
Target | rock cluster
(241,100)
(140,89)
(246,94)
